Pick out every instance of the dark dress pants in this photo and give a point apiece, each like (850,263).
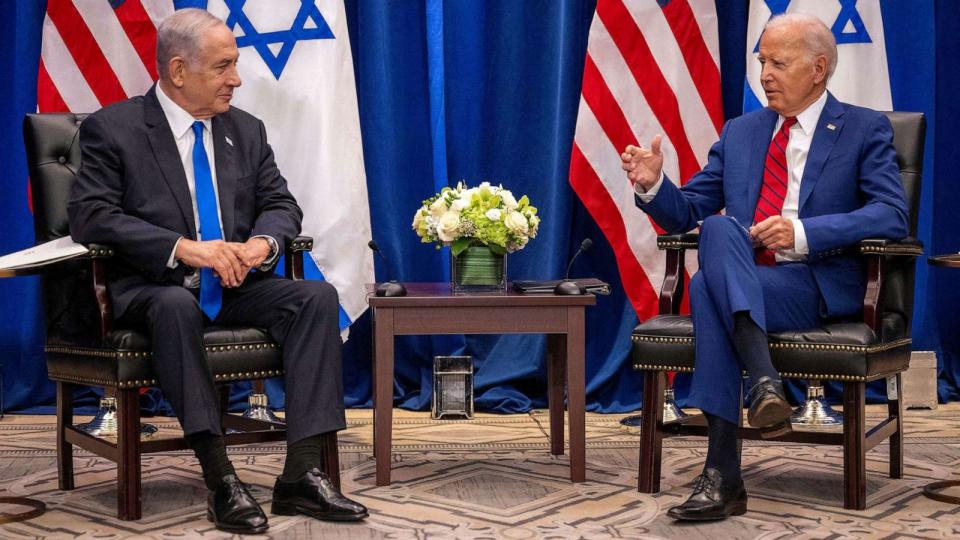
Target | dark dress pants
(302,316)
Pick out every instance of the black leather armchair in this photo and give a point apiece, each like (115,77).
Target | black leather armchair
(853,353)
(83,348)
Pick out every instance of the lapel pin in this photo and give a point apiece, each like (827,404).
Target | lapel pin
(831,127)
(231,142)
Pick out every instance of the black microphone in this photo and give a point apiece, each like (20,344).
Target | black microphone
(390,288)
(567,287)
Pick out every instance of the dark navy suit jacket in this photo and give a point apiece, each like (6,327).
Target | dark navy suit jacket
(850,190)
(131,191)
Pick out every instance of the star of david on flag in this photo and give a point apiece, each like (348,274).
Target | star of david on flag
(275,47)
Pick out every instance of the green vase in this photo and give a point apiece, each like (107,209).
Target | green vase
(478,269)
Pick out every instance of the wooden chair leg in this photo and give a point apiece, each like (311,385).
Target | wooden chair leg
(854,446)
(128,446)
(331,457)
(64,449)
(556,386)
(651,426)
(895,409)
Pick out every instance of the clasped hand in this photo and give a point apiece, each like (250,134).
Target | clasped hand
(230,261)
(774,233)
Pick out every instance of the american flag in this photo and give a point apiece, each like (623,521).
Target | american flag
(97,52)
(651,68)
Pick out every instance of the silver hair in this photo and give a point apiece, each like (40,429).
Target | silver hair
(817,38)
(180,35)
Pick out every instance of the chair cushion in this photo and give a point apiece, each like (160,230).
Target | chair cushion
(848,351)
(123,359)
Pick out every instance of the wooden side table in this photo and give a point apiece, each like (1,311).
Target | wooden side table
(933,490)
(431,308)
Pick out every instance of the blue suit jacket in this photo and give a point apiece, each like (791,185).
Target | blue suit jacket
(850,190)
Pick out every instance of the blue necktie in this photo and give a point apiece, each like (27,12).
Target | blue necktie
(211,293)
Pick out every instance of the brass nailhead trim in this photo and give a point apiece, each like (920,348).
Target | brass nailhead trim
(664,339)
(80,351)
(648,367)
(240,347)
(892,250)
(677,245)
(838,347)
(789,345)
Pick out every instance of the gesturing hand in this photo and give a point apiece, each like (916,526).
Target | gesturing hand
(775,232)
(225,258)
(643,165)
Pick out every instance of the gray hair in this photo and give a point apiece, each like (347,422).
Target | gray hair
(817,38)
(179,35)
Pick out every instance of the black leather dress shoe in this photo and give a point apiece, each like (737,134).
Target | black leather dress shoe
(711,499)
(769,409)
(231,508)
(314,495)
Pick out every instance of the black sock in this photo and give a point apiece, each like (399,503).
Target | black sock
(723,452)
(752,348)
(302,456)
(212,454)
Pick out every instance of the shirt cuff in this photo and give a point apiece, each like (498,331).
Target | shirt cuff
(271,259)
(800,246)
(648,195)
(172,261)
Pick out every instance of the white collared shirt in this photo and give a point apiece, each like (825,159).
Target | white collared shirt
(181,125)
(801,135)
(798,146)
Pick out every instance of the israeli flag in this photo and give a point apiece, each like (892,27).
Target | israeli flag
(861,77)
(297,75)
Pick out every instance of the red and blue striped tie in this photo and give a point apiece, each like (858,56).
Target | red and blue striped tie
(774,188)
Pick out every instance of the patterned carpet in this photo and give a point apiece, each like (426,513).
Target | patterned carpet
(492,477)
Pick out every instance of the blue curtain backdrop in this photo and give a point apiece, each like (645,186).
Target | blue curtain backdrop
(460,89)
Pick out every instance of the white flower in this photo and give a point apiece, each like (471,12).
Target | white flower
(459,205)
(516,223)
(484,185)
(438,207)
(447,226)
(418,219)
(493,214)
(509,202)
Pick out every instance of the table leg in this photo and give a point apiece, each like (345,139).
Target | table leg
(383,392)
(556,381)
(576,389)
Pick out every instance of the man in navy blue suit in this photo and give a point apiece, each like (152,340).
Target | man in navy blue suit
(802,181)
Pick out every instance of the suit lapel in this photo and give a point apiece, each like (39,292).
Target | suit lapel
(828,131)
(223,155)
(165,151)
(759,144)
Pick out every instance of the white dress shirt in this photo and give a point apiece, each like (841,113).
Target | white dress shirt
(801,135)
(181,125)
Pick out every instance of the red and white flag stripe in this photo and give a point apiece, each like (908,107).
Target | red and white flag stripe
(93,54)
(649,70)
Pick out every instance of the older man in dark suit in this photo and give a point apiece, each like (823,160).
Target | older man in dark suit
(186,188)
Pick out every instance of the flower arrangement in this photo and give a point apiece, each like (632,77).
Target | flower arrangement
(486,214)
